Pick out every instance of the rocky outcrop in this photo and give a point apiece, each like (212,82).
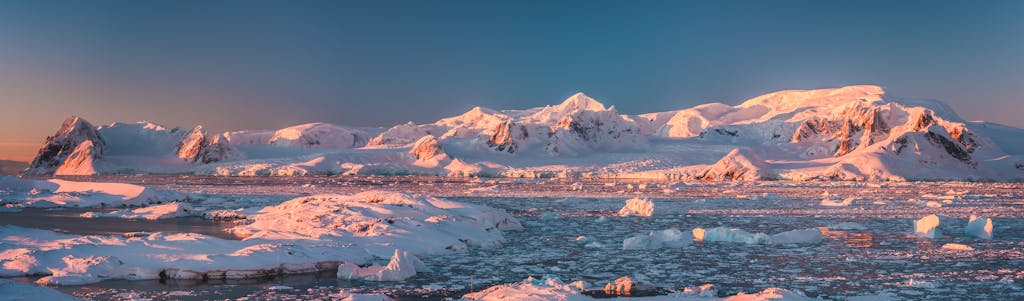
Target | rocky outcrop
(80,161)
(427,148)
(217,149)
(191,146)
(583,131)
(506,137)
(73,132)
(199,147)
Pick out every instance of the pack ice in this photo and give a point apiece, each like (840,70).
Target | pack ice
(306,234)
(725,234)
(550,288)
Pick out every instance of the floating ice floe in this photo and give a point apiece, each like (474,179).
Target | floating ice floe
(154,212)
(402,266)
(801,236)
(847,226)
(723,234)
(958,247)
(928,227)
(979,227)
(551,288)
(382,222)
(303,235)
(836,203)
(626,286)
(19,192)
(668,238)
(705,290)
(365,297)
(637,207)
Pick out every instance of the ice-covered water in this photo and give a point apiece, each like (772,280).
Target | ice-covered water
(885,258)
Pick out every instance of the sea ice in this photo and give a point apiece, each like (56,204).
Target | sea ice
(979,227)
(928,227)
(958,247)
(637,207)
(706,290)
(551,288)
(62,193)
(847,226)
(668,238)
(382,221)
(169,210)
(723,234)
(402,266)
(834,203)
(626,286)
(802,236)
(303,235)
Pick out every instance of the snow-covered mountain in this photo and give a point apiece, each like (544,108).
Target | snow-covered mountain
(847,133)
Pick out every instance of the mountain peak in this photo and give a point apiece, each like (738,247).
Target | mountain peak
(789,100)
(580,101)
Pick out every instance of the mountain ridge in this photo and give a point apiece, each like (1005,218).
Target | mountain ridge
(847,133)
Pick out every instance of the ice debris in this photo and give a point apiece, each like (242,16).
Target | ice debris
(626,286)
(928,227)
(668,238)
(979,227)
(957,247)
(403,265)
(723,234)
(637,207)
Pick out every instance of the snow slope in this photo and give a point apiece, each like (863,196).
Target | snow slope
(847,133)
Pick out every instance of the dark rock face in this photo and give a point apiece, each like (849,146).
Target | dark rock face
(191,146)
(505,136)
(951,148)
(426,148)
(199,147)
(924,121)
(966,138)
(217,149)
(73,131)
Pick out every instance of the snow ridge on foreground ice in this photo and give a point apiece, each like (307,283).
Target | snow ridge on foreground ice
(550,288)
(23,193)
(303,235)
(382,221)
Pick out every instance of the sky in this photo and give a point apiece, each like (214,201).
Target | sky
(234,65)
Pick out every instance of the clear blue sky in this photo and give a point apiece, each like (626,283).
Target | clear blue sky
(233,65)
